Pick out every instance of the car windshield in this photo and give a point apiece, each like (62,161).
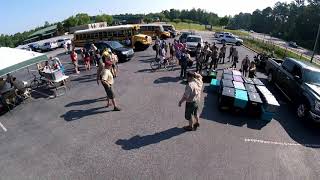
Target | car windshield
(60,40)
(312,77)
(115,44)
(193,39)
(166,28)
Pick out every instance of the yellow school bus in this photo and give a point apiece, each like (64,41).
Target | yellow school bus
(154,30)
(113,33)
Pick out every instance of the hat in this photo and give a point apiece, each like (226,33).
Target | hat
(108,63)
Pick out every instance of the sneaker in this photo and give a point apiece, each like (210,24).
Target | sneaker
(116,109)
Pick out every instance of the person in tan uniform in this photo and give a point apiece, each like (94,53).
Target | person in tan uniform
(192,97)
(106,77)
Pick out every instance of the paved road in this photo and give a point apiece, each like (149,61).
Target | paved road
(284,44)
(76,137)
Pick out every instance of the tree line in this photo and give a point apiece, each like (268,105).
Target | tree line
(296,21)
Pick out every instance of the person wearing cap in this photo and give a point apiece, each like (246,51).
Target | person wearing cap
(192,97)
(106,78)
(223,53)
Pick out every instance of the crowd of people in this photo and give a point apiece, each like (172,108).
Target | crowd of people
(207,57)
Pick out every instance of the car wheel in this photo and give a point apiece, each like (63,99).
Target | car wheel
(238,43)
(270,77)
(223,41)
(302,110)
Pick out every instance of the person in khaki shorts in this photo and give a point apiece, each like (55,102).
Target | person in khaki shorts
(106,77)
(192,97)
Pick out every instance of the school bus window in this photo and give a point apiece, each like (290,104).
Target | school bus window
(115,34)
(100,35)
(120,33)
(105,35)
(96,35)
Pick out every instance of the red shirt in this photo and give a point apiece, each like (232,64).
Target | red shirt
(73,56)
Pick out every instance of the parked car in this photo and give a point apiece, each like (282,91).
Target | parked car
(34,46)
(300,82)
(61,42)
(170,28)
(123,53)
(230,39)
(48,46)
(293,44)
(184,36)
(217,34)
(192,42)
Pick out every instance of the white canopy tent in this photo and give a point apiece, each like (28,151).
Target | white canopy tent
(12,60)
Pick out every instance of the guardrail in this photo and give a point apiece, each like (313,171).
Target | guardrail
(316,60)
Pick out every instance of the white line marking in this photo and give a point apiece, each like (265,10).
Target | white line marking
(4,128)
(281,143)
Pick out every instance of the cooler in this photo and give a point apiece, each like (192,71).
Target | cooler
(226,99)
(265,115)
(257,82)
(238,85)
(270,103)
(208,75)
(263,90)
(250,88)
(254,104)
(248,80)
(226,83)
(227,71)
(241,99)
(236,73)
(237,78)
(215,85)
(213,74)
(227,76)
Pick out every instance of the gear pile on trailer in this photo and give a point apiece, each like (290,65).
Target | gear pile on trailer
(238,93)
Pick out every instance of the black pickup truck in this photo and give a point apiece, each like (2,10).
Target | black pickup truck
(299,82)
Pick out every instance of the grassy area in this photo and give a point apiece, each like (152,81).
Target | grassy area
(261,46)
(255,44)
(235,32)
(184,26)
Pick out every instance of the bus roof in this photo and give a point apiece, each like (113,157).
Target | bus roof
(106,28)
(151,24)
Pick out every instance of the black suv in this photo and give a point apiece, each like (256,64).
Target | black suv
(300,82)
(123,53)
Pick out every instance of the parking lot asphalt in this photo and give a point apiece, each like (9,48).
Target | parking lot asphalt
(76,137)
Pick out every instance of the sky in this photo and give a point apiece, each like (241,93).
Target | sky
(19,15)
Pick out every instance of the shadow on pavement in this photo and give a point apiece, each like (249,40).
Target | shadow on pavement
(145,70)
(84,102)
(147,60)
(166,80)
(78,114)
(137,141)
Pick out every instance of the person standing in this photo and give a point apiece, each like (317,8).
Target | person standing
(93,50)
(157,45)
(171,47)
(183,64)
(252,70)
(87,58)
(198,56)
(192,97)
(231,53)
(223,53)
(245,65)
(106,78)
(74,59)
(214,59)
(235,58)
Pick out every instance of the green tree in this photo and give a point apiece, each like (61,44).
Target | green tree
(83,18)
(224,21)
(104,18)
(60,28)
